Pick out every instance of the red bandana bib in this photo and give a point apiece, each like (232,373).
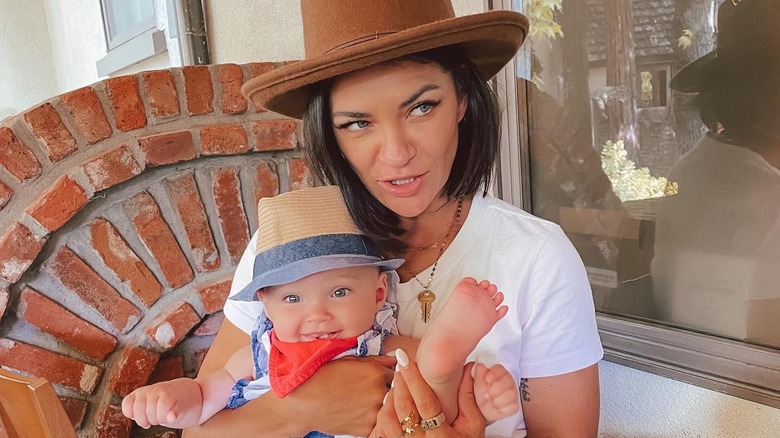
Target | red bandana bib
(291,363)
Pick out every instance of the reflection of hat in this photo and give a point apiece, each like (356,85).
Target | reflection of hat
(341,36)
(742,25)
(305,232)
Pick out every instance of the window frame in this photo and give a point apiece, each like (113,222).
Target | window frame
(736,368)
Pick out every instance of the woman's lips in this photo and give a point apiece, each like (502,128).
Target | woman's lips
(403,187)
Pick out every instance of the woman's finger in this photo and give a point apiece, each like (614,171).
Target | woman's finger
(387,424)
(422,397)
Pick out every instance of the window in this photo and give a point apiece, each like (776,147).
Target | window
(677,223)
(131,34)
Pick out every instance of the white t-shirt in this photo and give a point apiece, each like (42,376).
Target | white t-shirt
(551,326)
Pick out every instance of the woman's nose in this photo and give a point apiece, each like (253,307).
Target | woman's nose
(397,150)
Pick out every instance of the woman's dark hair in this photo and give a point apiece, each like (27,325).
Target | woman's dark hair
(472,169)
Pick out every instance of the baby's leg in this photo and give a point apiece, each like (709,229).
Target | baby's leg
(472,310)
(496,392)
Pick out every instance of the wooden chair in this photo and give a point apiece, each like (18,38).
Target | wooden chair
(31,408)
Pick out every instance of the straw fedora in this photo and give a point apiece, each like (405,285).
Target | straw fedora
(743,25)
(304,232)
(341,36)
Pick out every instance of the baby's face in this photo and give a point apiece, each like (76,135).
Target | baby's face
(335,304)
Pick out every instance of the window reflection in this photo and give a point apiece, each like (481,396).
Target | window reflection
(664,175)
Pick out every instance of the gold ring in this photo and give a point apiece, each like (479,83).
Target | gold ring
(433,423)
(408,424)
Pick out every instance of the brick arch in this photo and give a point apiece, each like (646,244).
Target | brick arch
(124,207)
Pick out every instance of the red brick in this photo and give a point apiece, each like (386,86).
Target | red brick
(167,369)
(170,327)
(185,196)
(198,89)
(223,140)
(95,292)
(214,295)
(159,239)
(300,175)
(161,93)
(3,301)
(210,325)
(275,135)
(230,211)
(59,204)
(18,249)
(76,410)
(197,360)
(88,116)
(231,77)
(111,423)
(259,68)
(126,104)
(6,193)
(118,256)
(57,321)
(132,371)
(47,125)
(112,168)
(266,180)
(54,367)
(168,148)
(16,157)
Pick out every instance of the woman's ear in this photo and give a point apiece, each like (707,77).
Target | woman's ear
(381,290)
(462,107)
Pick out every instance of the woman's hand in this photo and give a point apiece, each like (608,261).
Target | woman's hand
(411,396)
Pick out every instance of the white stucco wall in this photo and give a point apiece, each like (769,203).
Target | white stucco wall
(27,73)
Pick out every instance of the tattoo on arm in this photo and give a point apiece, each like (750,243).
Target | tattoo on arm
(525,391)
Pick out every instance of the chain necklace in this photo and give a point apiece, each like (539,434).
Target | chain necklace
(426,297)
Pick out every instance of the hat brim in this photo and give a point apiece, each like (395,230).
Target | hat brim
(488,39)
(297,270)
(696,76)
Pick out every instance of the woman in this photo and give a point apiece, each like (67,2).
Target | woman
(396,112)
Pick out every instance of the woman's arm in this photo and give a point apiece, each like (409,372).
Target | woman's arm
(565,405)
(341,398)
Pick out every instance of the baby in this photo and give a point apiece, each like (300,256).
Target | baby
(325,290)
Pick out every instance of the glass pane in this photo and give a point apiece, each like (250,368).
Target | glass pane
(665,178)
(126,15)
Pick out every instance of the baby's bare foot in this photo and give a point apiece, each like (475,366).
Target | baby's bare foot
(469,314)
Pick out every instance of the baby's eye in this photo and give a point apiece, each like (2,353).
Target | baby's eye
(292,299)
(339,293)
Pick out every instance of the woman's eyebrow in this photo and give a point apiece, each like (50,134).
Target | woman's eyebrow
(349,114)
(418,93)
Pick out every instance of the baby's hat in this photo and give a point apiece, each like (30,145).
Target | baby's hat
(304,232)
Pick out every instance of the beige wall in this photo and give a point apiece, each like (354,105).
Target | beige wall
(268,30)
(27,73)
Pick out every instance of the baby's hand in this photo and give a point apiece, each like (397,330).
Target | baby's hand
(496,392)
(176,404)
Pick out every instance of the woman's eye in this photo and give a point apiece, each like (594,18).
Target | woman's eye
(292,299)
(339,293)
(423,108)
(355,125)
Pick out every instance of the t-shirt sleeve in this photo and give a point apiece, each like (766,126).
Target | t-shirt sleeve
(559,331)
(243,313)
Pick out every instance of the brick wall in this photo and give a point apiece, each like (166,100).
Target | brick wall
(124,208)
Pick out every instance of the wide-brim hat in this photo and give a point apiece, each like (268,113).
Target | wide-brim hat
(341,36)
(742,25)
(305,232)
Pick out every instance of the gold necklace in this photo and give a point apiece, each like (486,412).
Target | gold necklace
(426,297)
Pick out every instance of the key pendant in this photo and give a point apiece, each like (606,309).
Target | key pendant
(426,299)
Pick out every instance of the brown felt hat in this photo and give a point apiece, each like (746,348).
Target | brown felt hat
(341,36)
